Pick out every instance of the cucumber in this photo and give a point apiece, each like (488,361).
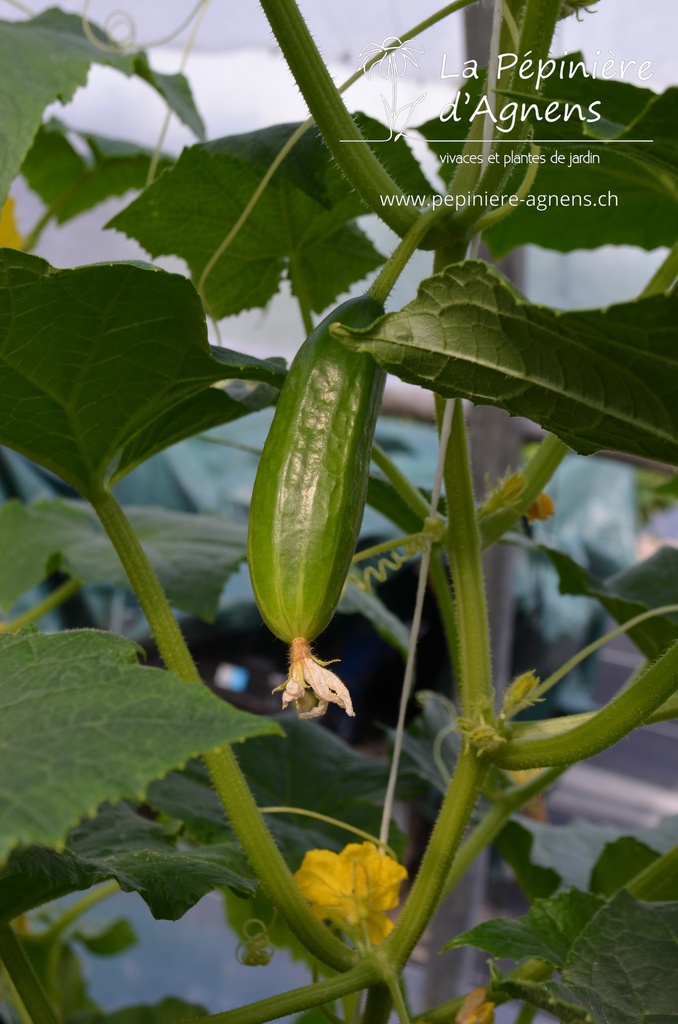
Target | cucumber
(310,489)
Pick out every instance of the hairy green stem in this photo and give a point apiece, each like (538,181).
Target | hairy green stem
(487,830)
(398,999)
(407,491)
(361,976)
(348,147)
(54,599)
(24,978)
(146,586)
(429,885)
(474,683)
(301,130)
(536,32)
(227,777)
(536,475)
(300,292)
(378,1005)
(383,284)
(626,711)
(445,602)
(268,864)
(650,883)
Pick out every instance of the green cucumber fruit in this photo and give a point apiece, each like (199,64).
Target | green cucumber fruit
(310,489)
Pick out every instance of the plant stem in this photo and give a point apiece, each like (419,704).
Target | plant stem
(398,999)
(383,284)
(664,277)
(301,130)
(300,292)
(556,676)
(463,547)
(362,975)
(268,864)
(378,1005)
(536,475)
(650,883)
(429,885)
(626,711)
(388,545)
(362,168)
(24,978)
(227,777)
(407,491)
(81,907)
(491,825)
(146,586)
(54,599)
(445,602)
(330,821)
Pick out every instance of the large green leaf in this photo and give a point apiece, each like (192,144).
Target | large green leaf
(309,768)
(192,554)
(71,178)
(584,854)
(92,359)
(647,585)
(617,961)
(546,932)
(82,722)
(46,59)
(596,378)
(301,224)
(642,176)
(625,962)
(141,855)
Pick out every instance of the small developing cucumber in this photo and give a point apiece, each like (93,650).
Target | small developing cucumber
(309,495)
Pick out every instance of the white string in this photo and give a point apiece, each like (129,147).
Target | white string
(408,678)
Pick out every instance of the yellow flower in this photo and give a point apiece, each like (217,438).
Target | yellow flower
(352,889)
(9,235)
(476,1009)
(541,508)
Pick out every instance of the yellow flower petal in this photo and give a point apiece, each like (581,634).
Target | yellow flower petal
(541,508)
(352,889)
(9,234)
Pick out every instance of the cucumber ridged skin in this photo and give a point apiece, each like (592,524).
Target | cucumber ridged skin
(310,489)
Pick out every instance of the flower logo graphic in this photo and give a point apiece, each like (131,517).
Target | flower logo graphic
(391,57)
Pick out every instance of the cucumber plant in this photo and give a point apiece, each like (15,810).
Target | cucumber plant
(103,367)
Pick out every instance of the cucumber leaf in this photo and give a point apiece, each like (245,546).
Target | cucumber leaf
(595,378)
(50,56)
(126,347)
(82,723)
(193,554)
(302,226)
